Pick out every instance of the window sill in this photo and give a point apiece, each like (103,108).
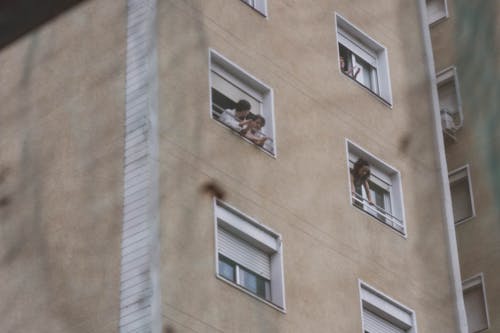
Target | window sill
(269,153)
(231,283)
(386,103)
(255,10)
(400,230)
(439,20)
(468,219)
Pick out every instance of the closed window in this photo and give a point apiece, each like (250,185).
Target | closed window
(375,187)
(381,314)
(249,255)
(258,5)
(461,195)
(239,100)
(437,10)
(475,304)
(363,59)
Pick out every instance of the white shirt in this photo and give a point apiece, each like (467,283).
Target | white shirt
(228,117)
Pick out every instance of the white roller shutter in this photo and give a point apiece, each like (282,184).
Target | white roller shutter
(357,48)
(243,253)
(375,324)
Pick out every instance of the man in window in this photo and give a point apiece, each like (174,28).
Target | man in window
(234,117)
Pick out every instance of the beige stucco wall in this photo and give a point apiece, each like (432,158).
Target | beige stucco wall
(303,193)
(478,238)
(61,148)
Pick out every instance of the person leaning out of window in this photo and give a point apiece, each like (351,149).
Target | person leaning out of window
(252,129)
(359,177)
(235,117)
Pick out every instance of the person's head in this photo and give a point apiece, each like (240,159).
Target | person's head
(242,108)
(342,63)
(257,122)
(361,169)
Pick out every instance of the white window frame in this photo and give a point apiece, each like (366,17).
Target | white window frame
(443,77)
(439,18)
(472,282)
(374,53)
(457,175)
(381,173)
(258,5)
(385,307)
(259,236)
(252,87)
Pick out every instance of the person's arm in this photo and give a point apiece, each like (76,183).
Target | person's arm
(356,72)
(368,194)
(258,140)
(353,190)
(228,119)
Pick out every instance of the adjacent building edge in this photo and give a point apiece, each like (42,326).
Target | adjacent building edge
(140,294)
(443,172)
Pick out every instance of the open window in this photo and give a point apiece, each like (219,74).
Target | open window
(476,306)
(363,59)
(383,188)
(249,255)
(230,84)
(437,10)
(381,314)
(450,102)
(258,5)
(461,195)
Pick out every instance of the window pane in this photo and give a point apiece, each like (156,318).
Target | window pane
(227,268)
(254,283)
(475,309)
(461,202)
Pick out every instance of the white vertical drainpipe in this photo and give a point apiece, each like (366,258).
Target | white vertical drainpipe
(443,172)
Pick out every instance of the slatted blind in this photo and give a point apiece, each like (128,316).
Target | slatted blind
(375,324)
(243,253)
(357,47)
(234,92)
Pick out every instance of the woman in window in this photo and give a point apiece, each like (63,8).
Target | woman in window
(359,177)
(251,129)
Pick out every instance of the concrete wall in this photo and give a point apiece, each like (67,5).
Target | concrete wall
(61,162)
(303,193)
(474,26)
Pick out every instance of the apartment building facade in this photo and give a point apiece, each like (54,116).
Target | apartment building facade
(156,205)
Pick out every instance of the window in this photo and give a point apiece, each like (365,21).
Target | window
(450,102)
(249,255)
(363,59)
(229,84)
(475,304)
(381,314)
(461,195)
(437,10)
(258,5)
(384,186)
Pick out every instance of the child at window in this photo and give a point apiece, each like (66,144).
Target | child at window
(359,177)
(235,117)
(251,129)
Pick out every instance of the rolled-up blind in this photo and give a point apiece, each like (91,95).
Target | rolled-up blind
(243,253)
(375,324)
